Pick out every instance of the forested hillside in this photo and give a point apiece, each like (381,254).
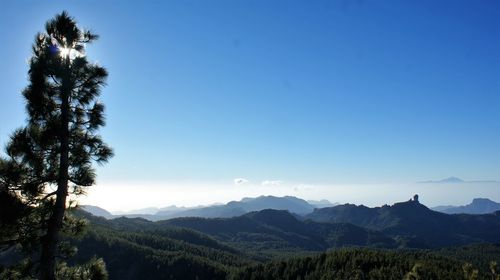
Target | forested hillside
(365,264)
(140,249)
(414,225)
(268,244)
(272,232)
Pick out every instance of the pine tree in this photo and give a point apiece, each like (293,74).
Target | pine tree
(51,157)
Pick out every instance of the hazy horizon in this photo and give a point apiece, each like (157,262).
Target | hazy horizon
(128,196)
(350,101)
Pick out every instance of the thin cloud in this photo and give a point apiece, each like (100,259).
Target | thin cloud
(303,187)
(272,182)
(240,181)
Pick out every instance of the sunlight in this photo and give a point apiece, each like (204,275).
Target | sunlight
(69,52)
(64,52)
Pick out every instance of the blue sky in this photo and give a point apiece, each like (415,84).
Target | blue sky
(310,92)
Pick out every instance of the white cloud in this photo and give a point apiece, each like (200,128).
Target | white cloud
(272,182)
(240,181)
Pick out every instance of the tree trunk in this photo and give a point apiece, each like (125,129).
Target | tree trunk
(55,222)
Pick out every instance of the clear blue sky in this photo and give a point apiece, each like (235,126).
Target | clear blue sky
(304,91)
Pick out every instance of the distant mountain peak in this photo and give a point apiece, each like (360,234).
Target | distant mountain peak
(322,203)
(452,180)
(482,200)
(455,180)
(477,206)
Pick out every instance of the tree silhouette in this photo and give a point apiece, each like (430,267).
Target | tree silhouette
(51,157)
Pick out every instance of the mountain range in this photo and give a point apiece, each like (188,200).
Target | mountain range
(231,209)
(239,246)
(289,203)
(268,230)
(415,225)
(404,224)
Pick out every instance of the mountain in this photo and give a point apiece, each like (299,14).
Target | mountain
(101,212)
(442,208)
(455,180)
(449,180)
(153,211)
(268,230)
(172,209)
(477,206)
(231,209)
(97,211)
(289,203)
(142,211)
(246,205)
(218,211)
(321,203)
(415,225)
